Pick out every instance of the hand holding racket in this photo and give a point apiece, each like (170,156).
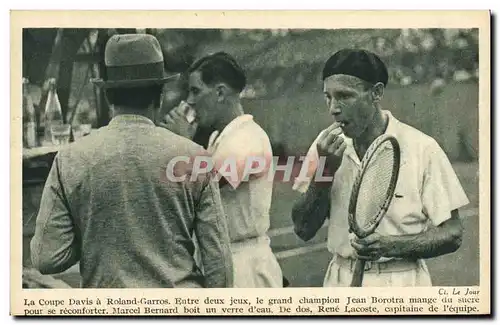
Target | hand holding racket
(372,192)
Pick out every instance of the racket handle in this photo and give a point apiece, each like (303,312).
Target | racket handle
(357,276)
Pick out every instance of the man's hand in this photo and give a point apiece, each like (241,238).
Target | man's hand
(331,145)
(435,241)
(373,246)
(177,122)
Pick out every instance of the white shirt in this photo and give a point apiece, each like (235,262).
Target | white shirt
(246,202)
(426,192)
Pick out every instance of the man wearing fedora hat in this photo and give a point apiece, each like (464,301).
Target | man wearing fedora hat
(108,204)
(422,220)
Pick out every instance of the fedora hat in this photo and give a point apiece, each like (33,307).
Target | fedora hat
(133,60)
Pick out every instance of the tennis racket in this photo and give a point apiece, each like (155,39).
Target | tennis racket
(372,192)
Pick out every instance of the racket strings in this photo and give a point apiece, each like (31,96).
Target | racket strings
(374,187)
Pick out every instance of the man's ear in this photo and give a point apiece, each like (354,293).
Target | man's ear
(378,92)
(222,91)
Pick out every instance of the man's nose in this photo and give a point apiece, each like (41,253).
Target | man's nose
(334,109)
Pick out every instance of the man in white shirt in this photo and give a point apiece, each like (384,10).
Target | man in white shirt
(215,84)
(422,220)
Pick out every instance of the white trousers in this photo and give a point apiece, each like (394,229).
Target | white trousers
(254,264)
(340,276)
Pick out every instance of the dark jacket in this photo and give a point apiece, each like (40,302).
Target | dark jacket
(108,205)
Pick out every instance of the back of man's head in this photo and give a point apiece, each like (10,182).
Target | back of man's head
(135,97)
(135,72)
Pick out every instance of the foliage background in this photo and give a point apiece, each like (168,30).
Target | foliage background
(433,81)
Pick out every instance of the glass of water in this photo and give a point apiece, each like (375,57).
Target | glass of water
(81,130)
(60,134)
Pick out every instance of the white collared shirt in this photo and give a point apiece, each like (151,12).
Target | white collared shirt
(246,203)
(426,192)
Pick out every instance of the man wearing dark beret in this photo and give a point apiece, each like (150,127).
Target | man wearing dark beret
(422,220)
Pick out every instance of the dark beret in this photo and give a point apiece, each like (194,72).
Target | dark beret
(358,63)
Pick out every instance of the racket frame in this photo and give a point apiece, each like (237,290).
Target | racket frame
(362,232)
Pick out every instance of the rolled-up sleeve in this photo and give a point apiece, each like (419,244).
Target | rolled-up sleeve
(441,190)
(213,238)
(54,247)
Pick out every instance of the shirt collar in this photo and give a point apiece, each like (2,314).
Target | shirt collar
(392,125)
(131,119)
(233,125)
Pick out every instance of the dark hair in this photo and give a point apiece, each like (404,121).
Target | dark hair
(220,67)
(140,97)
